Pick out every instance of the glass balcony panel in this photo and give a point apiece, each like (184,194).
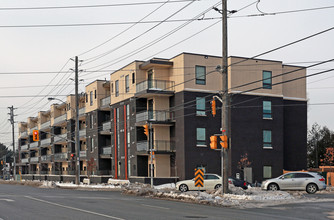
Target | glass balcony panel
(106,126)
(158,85)
(106,150)
(46,125)
(105,101)
(60,119)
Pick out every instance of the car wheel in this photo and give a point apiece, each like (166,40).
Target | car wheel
(218,186)
(183,188)
(311,188)
(273,187)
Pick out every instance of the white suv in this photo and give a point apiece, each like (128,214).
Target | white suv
(311,182)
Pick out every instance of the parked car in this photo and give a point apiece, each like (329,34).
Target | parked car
(211,181)
(238,183)
(309,181)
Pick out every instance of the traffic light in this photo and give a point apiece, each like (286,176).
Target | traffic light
(213,142)
(224,141)
(35,135)
(146,129)
(213,107)
(72,156)
(2,162)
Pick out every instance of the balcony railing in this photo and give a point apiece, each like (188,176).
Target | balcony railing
(34,128)
(106,150)
(156,85)
(158,145)
(34,144)
(45,142)
(24,147)
(83,153)
(105,101)
(34,159)
(158,116)
(25,160)
(24,134)
(46,125)
(82,133)
(82,111)
(106,126)
(46,157)
(60,137)
(61,118)
(61,156)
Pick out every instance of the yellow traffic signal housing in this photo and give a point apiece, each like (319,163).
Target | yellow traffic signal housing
(213,142)
(146,130)
(224,141)
(35,135)
(2,162)
(213,108)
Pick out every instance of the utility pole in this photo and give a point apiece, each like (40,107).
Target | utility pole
(225,101)
(12,122)
(77,141)
(151,153)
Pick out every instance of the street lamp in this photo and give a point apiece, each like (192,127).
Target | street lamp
(77,142)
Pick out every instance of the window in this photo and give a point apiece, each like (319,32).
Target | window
(266,79)
(116,88)
(95,94)
(200,106)
(127,83)
(91,98)
(91,120)
(133,78)
(92,144)
(267,172)
(86,97)
(267,109)
(303,175)
(211,177)
(112,87)
(200,134)
(267,139)
(200,72)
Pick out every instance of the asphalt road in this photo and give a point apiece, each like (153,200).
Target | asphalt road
(25,202)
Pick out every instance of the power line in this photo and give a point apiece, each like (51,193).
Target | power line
(92,6)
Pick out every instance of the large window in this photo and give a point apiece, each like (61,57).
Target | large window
(200,137)
(200,72)
(133,78)
(116,88)
(267,109)
(91,98)
(267,139)
(200,106)
(267,172)
(127,83)
(266,79)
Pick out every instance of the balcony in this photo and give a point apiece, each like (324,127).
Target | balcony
(105,102)
(83,153)
(34,128)
(45,125)
(25,160)
(60,138)
(82,111)
(24,134)
(60,119)
(158,146)
(46,142)
(46,158)
(156,86)
(34,159)
(34,145)
(61,156)
(155,116)
(82,133)
(24,147)
(106,150)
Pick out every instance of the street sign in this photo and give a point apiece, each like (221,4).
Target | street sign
(199,177)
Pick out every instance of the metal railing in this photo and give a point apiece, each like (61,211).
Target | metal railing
(106,150)
(46,157)
(60,137)
(83,153)
(106,126)
(34,159)
(34,144)
(61,156)
(24,147)
(105,101)
(82,111)
(82,132)
(142,146)
(157,85)
(25,160)
(46,141)
(24,134)
(60,119)
(159,116)
(158,145)
(46,125)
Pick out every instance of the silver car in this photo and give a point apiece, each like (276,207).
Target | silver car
(311,182)
(211,181)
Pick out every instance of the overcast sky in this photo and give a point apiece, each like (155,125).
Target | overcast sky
(26,51)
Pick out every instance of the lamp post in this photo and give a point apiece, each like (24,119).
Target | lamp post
(77,142)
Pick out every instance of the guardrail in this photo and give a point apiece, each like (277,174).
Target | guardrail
(34,159)
(157,85)
(46,125)
(106,126)
(25,160)
(46,141)
(83,153)
(158,116)
(61,156)
(105,101)
(46,157)
(24,147)
(82,111)
(60,119)
(82,132)
(158,145)
(106,150)
(60,137)
(34,144)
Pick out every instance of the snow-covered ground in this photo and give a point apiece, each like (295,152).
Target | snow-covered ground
(239,198)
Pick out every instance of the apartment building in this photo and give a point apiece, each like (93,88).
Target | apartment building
(268,115)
